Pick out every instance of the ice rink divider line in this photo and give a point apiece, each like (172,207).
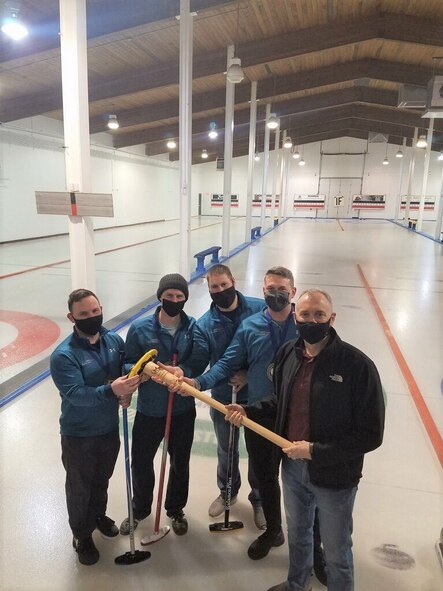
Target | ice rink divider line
(423,411)
(45,374)
(99,253)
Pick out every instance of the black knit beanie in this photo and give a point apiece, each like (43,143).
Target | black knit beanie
(173,281)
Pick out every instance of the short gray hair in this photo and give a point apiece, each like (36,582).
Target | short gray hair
(315,290)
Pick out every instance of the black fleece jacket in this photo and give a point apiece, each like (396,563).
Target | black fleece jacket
(346,408)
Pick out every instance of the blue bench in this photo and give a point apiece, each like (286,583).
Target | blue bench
(255,232)
(200,256)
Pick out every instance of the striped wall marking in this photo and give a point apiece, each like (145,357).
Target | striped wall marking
(425,415)
(35,334)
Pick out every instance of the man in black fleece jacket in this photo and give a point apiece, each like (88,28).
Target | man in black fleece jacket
(329,403)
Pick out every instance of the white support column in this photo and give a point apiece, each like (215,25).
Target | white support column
(185,136)
(76,131)
(283,160)
(251,159)
(227,175)
(424,186)
(289,161)
(264,189)
(438,223)
(400,181)
(275,172)
(411,175)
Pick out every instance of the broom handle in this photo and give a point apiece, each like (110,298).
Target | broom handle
(153,369)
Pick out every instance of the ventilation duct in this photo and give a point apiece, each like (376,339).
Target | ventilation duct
(377,138)
(411,97)
(434,103)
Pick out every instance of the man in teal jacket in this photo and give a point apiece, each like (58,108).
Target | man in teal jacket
(170,331)
(213,334)
(254,346)
(86,368)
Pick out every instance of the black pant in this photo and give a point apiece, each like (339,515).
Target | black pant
(147,435)
(265,459)
(89,463)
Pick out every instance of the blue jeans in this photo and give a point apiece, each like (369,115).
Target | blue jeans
(221,428)
(335,518)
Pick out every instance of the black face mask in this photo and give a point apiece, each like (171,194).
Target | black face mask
(172,308)
(276,299)
(89,326)
(313,332)
(224,299)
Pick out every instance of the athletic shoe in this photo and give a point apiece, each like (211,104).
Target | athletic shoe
(179,523)
(261,546)
(320,565)
(259,517)
(125,528)
(86,550)
(218,506)
(106,526)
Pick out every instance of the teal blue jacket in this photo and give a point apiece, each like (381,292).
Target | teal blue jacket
(212,336)
(81,374)
(147,333)
(253,348)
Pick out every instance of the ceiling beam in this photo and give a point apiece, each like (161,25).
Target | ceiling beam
(288,107)
(269,88)
(292,121)
(317,126)
(253,53)
(116,17)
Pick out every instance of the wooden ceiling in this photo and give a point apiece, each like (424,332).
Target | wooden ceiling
(329,68)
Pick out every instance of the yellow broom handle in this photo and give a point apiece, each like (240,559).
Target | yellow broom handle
(168,378)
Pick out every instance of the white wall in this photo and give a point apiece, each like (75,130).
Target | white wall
(377,179)
(146,189)
(32,158)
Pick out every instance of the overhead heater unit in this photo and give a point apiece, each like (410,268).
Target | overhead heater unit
(411,97)
(434,103)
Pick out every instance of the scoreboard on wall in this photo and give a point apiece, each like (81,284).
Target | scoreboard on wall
(369,202)
(309,201)
(256,200)
(217,200)
(415,202)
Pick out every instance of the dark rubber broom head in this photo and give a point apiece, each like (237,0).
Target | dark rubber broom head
(132,558)
(222,526)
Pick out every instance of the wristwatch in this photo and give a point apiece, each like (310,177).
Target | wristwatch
(197,384)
